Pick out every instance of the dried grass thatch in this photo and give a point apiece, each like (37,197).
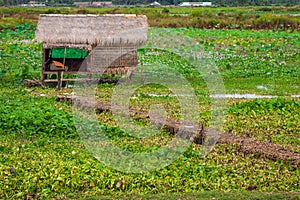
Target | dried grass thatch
(92,30)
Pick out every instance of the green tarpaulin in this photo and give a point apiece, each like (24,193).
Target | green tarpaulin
(70,53)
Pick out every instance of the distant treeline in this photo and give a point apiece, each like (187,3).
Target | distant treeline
(255,2)
(165,2)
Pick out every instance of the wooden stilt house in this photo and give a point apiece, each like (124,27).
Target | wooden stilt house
(108,43)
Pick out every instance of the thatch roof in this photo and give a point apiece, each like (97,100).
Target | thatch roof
(86,31)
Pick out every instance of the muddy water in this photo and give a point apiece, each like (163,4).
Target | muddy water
(228,96)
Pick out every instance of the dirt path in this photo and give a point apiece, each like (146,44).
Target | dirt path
(245,145)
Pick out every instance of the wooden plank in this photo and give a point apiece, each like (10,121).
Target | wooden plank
(68,79)
(66,72)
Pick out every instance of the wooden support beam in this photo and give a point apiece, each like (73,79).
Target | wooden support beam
(43,75)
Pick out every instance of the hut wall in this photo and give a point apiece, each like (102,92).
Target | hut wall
(113,60)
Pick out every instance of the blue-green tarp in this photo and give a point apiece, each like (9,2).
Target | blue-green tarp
(70,53)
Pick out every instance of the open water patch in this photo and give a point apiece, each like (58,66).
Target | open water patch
(224,96)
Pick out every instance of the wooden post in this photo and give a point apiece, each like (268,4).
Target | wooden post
(59,80)
(43,76)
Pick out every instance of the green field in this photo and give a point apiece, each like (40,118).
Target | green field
(43,156)
(277,17)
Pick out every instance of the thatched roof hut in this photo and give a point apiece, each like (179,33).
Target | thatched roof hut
(110,41)
(87,31)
